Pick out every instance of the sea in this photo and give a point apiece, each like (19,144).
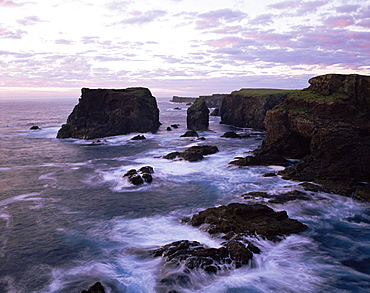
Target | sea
(68,217)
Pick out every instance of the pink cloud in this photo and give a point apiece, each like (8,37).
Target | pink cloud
(8,34)
(303,7)
(364,23)
(8,3)
(348,8)
(263,19)
(341,21)
(64,42)
(29,20)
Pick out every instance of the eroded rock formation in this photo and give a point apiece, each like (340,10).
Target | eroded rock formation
(198,115)
(108,112)
(327,126)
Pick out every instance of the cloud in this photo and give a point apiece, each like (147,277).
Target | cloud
(348,8)
(301,7)
(343,21)
(140,18)
(64,42)
(9,34)
(8,3)
(215,18)
(29,20)
(263,19)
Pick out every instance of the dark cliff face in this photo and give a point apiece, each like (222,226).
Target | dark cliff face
(328,127)
(108,112)
(198,115)
(248,111)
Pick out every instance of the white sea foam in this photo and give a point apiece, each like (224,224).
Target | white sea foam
(22,197)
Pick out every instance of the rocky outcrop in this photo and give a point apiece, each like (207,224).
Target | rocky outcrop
(327,127)
(144,174)
(193,154)
(96,288)
(213,101)
(108,112)
(248,111)
(254,220)
(198,116)
(177,99)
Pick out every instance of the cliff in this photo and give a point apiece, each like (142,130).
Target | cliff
(198,115)
(327,126)
(247,108)
(108,112)
(177,99)
(213,101)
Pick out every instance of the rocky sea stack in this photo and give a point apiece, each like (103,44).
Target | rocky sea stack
(327,126)
(198,115)
(108,112)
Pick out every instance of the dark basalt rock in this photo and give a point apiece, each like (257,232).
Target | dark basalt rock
(193,154)
(215,112)
(190,133)
(138,137)
(141,176)
(253,220)
(198,115)
(168,128)
(108,112)
(261,160)
(96,288)
(277,198)
(35,127)
(192,255)
(231,134)
(175,126)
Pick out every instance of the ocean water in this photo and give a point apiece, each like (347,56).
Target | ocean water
(68,218)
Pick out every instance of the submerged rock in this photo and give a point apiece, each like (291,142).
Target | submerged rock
(190,133)
(141,176)
(277,198)
(34,127)
(193,154)
(96,288)
(108,112)
(138,137)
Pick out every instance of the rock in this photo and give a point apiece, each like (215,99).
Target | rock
(261,160)
(169,128)
(190,133)
(175,126)
(215,112)
(141,176)
(213,101)
(277,198)
(270,174)
(192,255)
(327,127)
(194,153)
(138,137)
(362,193)
(108,112)
(248,111)
(35,127)
(231,134)
(315,188)
(254,220)
(96,288)
(198,116)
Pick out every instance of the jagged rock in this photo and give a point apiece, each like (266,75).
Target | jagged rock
(248,111)
(169,128)
(252,220)
(138,137)
(362,193)
(175,125)
(96,288)
(194,153)
(138,178)
(108,112)
(231,134)
(192,255)
(35,127)
(190,133)
(198,115)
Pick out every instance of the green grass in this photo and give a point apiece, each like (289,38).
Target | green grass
(310,96)
(261,91)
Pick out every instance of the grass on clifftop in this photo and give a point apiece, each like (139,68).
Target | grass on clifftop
(310,96)
(259,92)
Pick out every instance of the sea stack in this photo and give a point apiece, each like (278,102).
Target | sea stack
(198,115)
(109,112)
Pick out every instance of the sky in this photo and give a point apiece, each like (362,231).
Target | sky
(53,48)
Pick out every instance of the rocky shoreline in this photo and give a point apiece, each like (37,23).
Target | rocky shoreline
(325,128)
